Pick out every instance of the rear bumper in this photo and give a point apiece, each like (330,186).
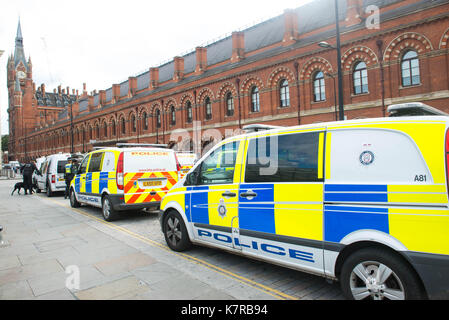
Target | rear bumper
(433,270)
(119,204)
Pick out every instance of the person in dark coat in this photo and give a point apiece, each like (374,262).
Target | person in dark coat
(27,171)
(69,173)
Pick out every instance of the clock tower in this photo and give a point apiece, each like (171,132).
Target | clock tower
(21,109)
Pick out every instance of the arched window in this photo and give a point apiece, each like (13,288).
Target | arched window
(284,93)
(189,112)
(255,101)
(410,69)
(158,118)
(360,78)
(173,115)
(97,131)
(229,105)
(319,88)
(145,121)
(105,129)
(208,108)
(123,125)
(133,123)
(113,130)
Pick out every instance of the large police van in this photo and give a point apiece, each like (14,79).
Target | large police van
(361,201)
(124,178)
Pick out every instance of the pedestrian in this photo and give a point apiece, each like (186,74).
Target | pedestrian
(69,173)
(27,171)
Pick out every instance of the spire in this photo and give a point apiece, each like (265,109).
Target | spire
(19,54)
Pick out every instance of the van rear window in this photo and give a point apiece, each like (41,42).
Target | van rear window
(61,166)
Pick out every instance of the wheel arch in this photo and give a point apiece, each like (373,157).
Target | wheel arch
(363,244)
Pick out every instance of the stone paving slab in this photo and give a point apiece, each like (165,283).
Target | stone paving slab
(43,239)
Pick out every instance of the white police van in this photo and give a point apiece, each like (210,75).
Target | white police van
(364,202)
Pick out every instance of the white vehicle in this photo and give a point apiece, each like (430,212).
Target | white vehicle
(52,169)
(39,162)
(15,165)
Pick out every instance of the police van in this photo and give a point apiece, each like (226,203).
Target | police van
(52,178)
(129,177)
(364,202)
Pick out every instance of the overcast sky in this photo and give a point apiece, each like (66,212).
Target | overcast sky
(101,42)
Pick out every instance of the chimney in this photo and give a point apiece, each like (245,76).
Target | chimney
(43,89)
(132,86)
(90,100)
(238,46)
(201,60)
(75,109)
(68,91)
(179,69)
(102,97)
(116,92)
(154,78)
(291,34)
(353,12)
(59,89)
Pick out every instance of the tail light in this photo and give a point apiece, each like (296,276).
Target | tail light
(53,178)
(119,172)
(447,159)
(178,167)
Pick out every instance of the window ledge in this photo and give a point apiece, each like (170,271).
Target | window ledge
(353,95)
(411,86)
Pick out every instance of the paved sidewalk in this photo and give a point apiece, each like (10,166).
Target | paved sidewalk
(42,240)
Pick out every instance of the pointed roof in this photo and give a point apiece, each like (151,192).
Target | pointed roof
(19,53)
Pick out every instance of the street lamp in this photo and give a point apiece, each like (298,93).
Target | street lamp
(324,44)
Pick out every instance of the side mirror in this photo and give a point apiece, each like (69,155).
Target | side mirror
(192,178)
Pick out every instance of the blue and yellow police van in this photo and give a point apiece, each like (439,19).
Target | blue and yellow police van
(364,202)
(124,178)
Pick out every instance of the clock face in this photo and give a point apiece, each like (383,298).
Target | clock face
(21,74)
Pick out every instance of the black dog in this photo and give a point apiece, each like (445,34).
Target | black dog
(20,185)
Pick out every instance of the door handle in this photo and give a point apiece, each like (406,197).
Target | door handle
(229,194)
(248,194)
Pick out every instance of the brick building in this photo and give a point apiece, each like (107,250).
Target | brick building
(273,73)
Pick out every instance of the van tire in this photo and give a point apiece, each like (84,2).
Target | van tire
(368,261)
(175,232)
(109,214)
(73,202)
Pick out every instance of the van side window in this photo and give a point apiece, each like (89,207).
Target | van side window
(95,162)
(218,167)
(283,158)
(108,162)
(83,166)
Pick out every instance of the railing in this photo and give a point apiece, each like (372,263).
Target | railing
(9,174)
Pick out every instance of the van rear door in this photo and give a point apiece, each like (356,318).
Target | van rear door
(148,175)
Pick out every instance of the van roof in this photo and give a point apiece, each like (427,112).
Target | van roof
(133,149)
(345,123)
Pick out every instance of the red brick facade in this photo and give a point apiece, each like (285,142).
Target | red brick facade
(119,114)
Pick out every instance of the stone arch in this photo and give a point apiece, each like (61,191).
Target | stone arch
(225,88)
(184,98)
(170,102)
(153,108)
(313,64)
(444,42)
(249,82)
(356,54)
(409,40)
(205,92)
(278,74)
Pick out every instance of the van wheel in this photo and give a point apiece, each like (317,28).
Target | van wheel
(175,232)
(73,202)
(109,214)
(378,274)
